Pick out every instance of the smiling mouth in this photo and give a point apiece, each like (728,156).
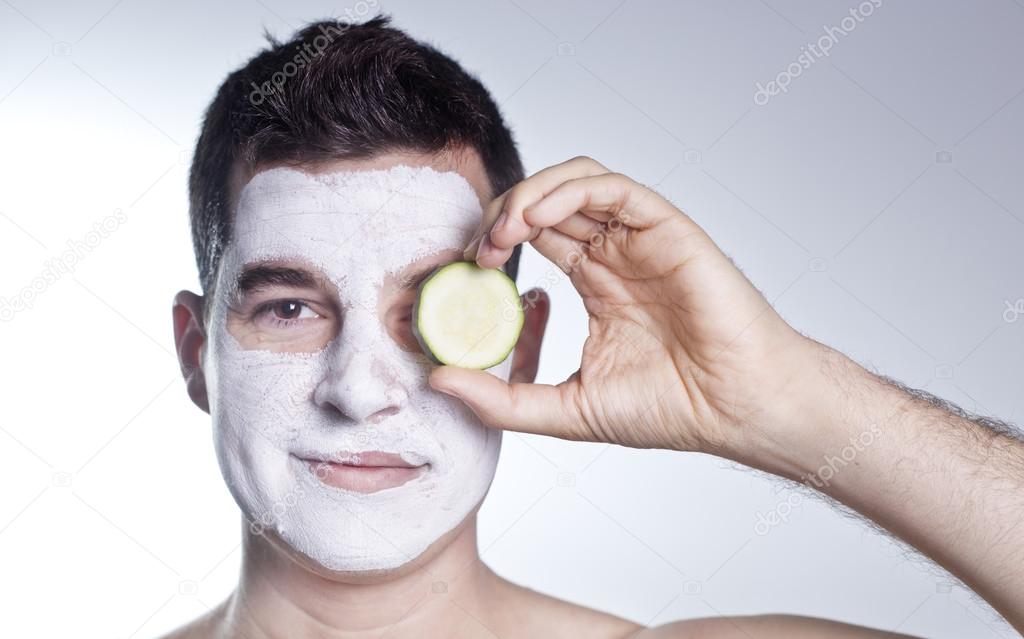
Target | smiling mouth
(365,472)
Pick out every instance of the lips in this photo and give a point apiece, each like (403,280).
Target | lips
(363,472)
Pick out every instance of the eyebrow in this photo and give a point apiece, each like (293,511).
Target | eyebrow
(259,276)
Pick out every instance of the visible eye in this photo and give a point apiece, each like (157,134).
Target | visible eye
(285,312)
(399,325)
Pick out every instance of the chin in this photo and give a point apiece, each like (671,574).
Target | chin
(283,548)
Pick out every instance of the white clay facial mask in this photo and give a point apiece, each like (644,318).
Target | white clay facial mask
(359,397)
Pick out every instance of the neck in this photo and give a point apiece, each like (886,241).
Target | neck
(279,597)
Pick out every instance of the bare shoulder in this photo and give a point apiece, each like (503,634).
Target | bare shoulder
(763,627)
(530,613)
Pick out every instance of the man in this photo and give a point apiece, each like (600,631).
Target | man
(331,174)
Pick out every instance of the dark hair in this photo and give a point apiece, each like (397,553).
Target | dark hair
(339,90)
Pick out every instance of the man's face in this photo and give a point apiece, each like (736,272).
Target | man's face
(311,359)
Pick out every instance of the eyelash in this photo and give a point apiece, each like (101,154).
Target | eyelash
(267,308)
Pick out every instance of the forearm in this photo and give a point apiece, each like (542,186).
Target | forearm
(950,485)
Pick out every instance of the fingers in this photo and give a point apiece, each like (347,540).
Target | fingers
(580,227)
(490,213)
(527,192)
(611,195)
(522,407)
(566,252)
(607,197)
(490,257)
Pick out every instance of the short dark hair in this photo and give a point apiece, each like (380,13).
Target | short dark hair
(339,90)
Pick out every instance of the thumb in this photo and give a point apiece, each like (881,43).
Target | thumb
(526,408)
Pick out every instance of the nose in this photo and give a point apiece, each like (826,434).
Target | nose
(361,388)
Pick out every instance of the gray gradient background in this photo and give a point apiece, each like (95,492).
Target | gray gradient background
(878,204)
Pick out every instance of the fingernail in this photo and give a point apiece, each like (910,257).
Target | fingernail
(470,252)
(485,246)
(500,222)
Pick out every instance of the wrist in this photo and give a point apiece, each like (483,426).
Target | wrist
(822,417)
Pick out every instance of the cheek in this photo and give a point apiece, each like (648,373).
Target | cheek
(462,439)
(303,336)
(466,443)
(259,397)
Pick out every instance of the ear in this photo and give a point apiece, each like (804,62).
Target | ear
(526,355)
(189,339)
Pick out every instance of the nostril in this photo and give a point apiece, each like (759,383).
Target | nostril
(379,416)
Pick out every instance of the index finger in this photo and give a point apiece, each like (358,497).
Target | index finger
(527,192)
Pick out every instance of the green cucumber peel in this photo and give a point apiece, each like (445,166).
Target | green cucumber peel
(467,316)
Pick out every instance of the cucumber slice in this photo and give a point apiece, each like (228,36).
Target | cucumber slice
(467,316)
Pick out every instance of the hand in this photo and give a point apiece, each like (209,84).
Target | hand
(683,352)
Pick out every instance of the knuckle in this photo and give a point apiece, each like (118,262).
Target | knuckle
(618,183)
(518,199)
(588,162)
